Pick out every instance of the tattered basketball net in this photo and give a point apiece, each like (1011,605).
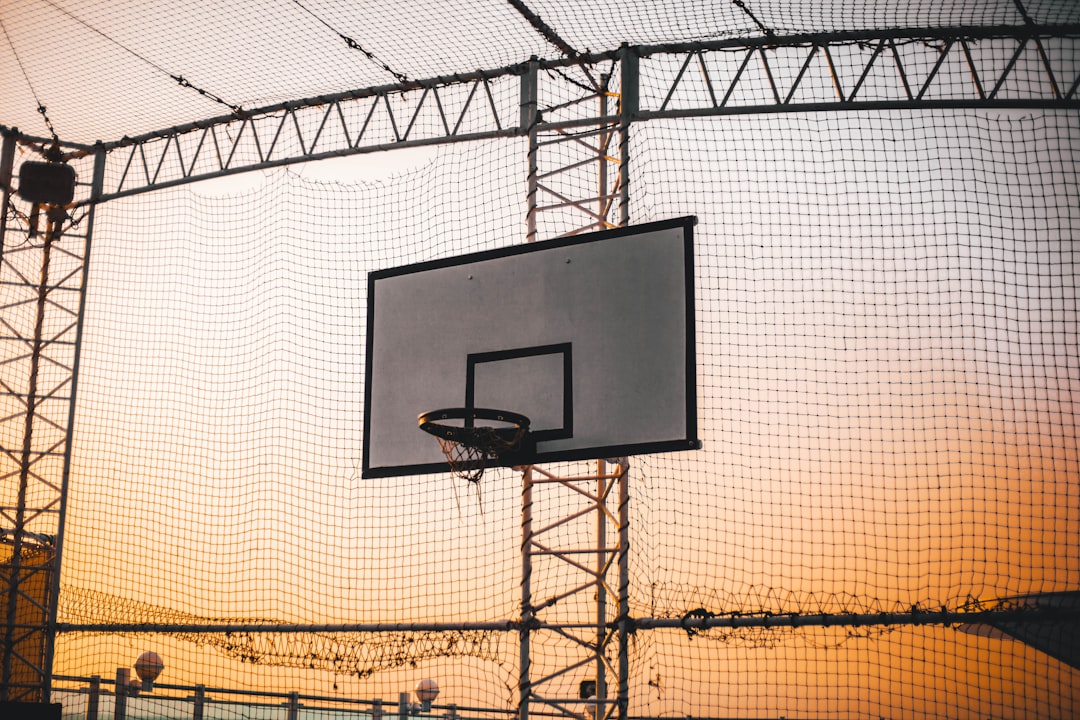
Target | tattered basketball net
(469,449)
(469,459)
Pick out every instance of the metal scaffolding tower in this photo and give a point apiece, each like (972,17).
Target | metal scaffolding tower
(43,273)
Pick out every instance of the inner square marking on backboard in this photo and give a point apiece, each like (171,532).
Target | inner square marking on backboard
(534,381)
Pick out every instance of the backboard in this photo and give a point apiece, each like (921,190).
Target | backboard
(590,336)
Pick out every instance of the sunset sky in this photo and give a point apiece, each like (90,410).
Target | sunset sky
(887,366)
(887,369)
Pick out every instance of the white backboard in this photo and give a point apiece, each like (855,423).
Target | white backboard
(591,337)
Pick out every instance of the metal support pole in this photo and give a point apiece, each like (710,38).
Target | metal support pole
(623,697)
(601,590)
(603,204)
(43,274)
(530,119)
(556,181)
(527,611)
(121,692)
(628,107)
(93,698)
(602,211)
(7,157)
(7,164)
(54,592)
(12,634)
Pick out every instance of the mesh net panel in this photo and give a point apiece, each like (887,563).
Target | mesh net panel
(219,479)
(263,52)
(888,375)
(888,356)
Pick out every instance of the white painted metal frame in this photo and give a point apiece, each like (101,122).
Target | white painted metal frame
(575,152)
(601,646)
(914,68)
(43,277)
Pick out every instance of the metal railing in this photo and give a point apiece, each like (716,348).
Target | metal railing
(125,698)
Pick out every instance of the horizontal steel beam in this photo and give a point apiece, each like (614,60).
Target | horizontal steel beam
(693,623)
(997,67)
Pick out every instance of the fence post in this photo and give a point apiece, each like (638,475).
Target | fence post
(93,698)
(403,706)
(121,688)
(376,710)
(294,706)
(199,701)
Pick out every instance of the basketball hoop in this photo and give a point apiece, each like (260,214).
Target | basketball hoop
(469,447)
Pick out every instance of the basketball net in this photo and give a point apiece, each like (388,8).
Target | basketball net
(469,458)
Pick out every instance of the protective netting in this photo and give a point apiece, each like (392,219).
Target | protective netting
(883,520)
(240,419)
(131,76)
(889,378)
(888,362)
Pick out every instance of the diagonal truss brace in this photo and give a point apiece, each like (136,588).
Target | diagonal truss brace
(553,551)
(950,67)
(1025,66)
(42,278)
(360,122)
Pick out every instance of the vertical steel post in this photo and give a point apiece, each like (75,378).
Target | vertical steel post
(26,460)
(600,209)
(530,118)
(96,186)
(120,698)
(628,107)
(293,712)
(43,274)
(527,612)
(93,698)
(601,589)
(603,207)
(623,696)
(7,165)
(7,162)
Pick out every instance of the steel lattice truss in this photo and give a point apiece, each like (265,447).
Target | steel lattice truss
(42,272)
(1013,67)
